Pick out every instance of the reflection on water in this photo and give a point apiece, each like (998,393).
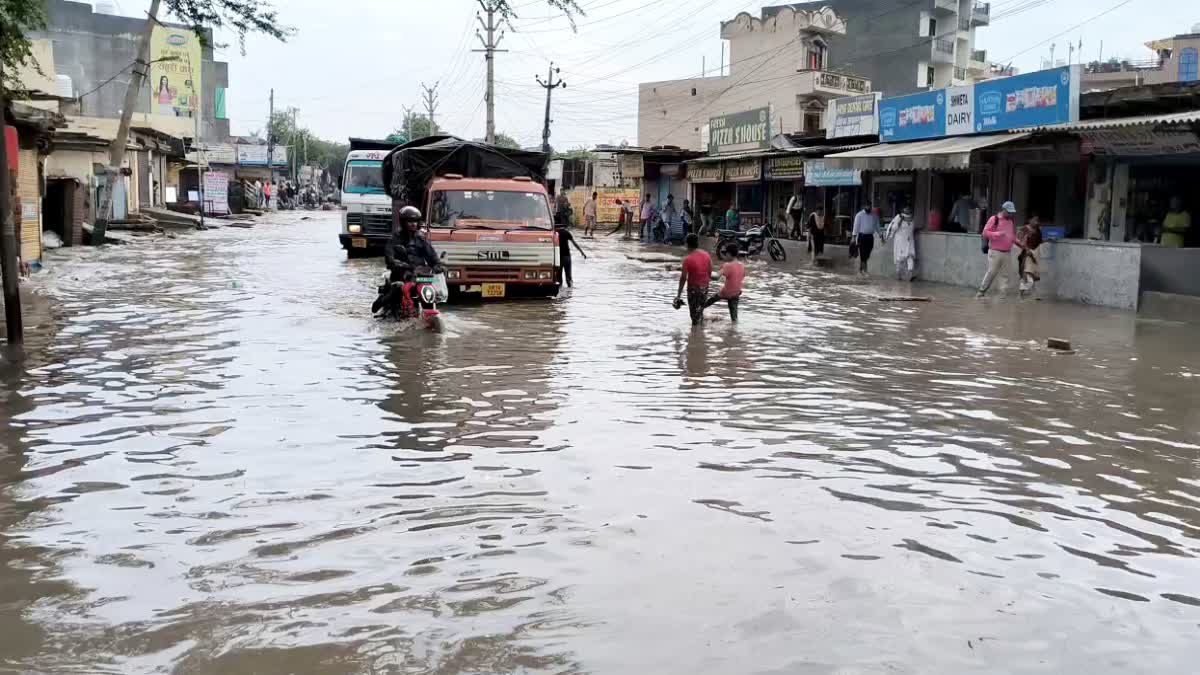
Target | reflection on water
(214,463)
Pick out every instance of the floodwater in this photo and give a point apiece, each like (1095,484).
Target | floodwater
(213,461)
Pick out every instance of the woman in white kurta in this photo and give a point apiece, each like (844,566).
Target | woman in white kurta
(902,234)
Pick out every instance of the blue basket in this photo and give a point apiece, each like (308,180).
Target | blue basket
(1054,232)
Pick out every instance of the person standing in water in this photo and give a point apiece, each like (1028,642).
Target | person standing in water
(694,276)
(1000,232)
(902,233)
(589,216)
(734,272)
(1029,238)
(565,240)
(866,224)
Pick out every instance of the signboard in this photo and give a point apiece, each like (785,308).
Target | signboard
(852,116)
(554,170)
(215,153)
(1034,99)
(216,192)
(749,130)
(174,71)
(256,155)
(816,174)
(741,170)
(671,170)
(707,172)
(785,168)
(632,166)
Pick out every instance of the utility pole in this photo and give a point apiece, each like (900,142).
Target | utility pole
(8,238)
(549,85)
(271,147)
(430,96)
(294,158)
(116,150)
(489,54)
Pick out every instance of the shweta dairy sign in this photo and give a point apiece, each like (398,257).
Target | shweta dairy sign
(1035,99)
(749,130)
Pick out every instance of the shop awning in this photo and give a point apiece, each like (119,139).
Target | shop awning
(943,153)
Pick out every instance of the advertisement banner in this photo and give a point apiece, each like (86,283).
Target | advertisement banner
(817,175)
(256,155)
(749,130)
(742,170)
(174,71)
(216,192)
(1035,99)
(607,210)
(852,116)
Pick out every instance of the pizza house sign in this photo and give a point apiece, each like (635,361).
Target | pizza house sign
(749,130)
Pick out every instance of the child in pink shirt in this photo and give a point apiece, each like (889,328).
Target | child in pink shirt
(734,272)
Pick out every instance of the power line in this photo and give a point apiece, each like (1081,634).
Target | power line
(1110,10)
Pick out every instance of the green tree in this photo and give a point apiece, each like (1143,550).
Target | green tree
(576,153)
(504,8)
(19,17)
(417,125)
(506,141)
(321,153)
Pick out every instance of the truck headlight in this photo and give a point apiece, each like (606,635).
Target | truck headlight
(544,275)
(453,274)
(530,274)
(354,229)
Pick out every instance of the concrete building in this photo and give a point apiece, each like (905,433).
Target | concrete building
(795,58)
(90,55)
(1176,59)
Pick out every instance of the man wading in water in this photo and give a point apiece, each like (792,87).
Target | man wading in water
(697,272)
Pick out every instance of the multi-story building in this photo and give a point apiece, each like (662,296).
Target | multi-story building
(796,57)
(1176,59)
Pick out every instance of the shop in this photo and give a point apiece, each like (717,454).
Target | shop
(785,179)
(750,192)
(711,195)
(839,191)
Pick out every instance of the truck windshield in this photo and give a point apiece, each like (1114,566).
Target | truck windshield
(496,209)
(364,177)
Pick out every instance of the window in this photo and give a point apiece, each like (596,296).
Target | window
(815,56)
(364,176)
(519,209)
(932,27)
(930,76)
(1188,65)
(812,121)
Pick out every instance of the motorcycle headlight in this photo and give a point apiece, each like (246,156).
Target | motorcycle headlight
(427,295)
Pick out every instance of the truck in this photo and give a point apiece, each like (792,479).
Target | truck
(366,206)
(486,210)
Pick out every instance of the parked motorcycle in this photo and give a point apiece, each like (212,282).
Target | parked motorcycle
(751,242)
(413,298)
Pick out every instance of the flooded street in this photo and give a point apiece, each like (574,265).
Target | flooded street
(215,461)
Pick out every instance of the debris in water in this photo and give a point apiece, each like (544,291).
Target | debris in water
(1058,343)
(903,298)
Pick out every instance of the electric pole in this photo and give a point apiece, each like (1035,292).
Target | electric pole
(271,146)
(8,238)
(430,96)
(549,85)
(116,150)
(489,54)
(293,158)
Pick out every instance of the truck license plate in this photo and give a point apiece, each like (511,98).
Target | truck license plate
(493,290)
(358,242)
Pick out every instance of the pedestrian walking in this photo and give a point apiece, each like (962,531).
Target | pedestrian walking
(589,217)
(999,233)
(795,209)
(672,218)
(258,194)
(622,218)
(267,194)
(902,234)
(734,273)
(562,209)
(866,224)
(647,215)
(732,219)
(695,275)
(816,233)
(706,217)
(689,217)
(1029,238)
(565,240)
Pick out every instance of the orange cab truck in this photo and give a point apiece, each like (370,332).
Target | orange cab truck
(487,211)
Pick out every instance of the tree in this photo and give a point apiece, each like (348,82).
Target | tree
(321,153)
(576,153)
(506,141)
(416,125)
(569,8)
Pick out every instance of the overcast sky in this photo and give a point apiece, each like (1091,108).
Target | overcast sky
(351,71)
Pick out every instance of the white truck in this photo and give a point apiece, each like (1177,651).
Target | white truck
(366,206)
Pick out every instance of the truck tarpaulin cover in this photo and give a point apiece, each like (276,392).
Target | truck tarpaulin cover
(409,168)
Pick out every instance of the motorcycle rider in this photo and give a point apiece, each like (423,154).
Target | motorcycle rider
(405,251)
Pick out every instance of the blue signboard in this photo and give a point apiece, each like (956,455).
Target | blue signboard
(816,174)
(1036,99)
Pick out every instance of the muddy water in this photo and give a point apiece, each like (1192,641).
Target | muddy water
(213,462)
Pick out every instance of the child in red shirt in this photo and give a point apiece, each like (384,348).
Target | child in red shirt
(734,272)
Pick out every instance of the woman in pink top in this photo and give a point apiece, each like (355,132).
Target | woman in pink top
(735,274)
(1000,233)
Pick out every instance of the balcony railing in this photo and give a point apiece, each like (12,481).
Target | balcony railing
(979,55)
(981,13)
(964,23)
(948,5)
(1123,66)
(838,83)
(943,45)
(960,73)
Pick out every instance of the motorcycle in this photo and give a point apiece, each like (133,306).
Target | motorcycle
(751,242)
(414,297)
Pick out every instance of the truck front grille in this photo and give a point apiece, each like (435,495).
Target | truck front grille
(372,223)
